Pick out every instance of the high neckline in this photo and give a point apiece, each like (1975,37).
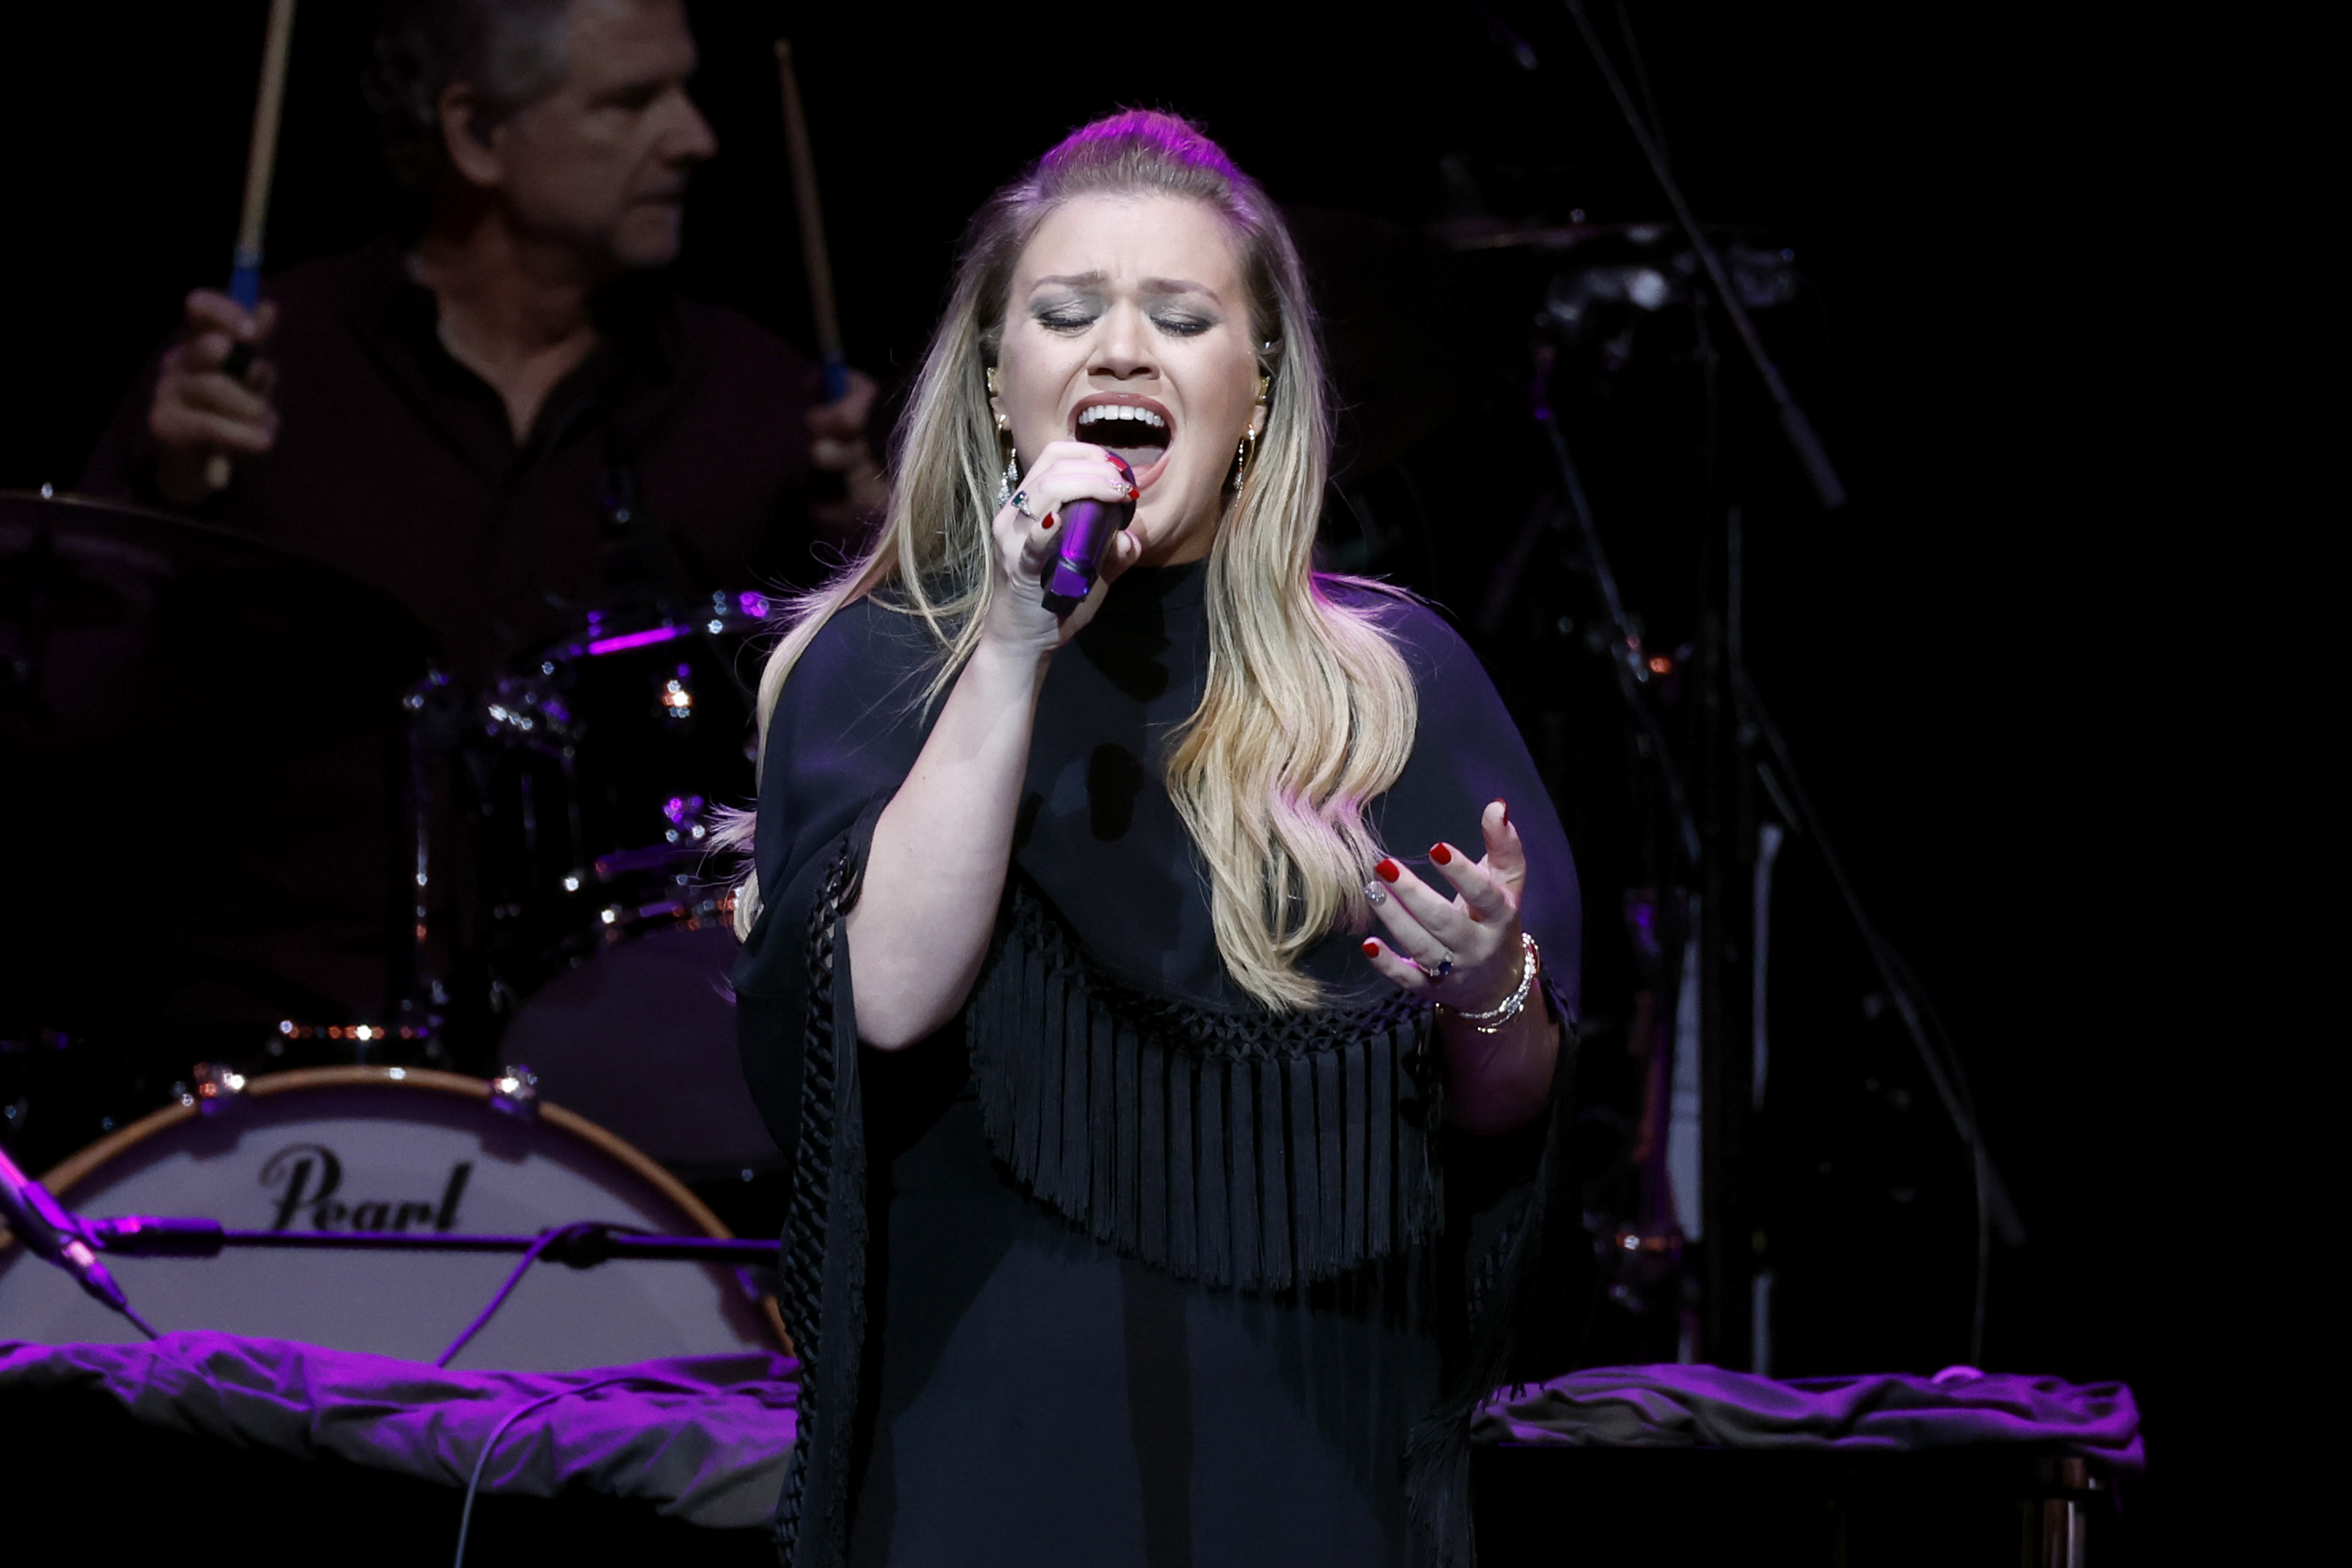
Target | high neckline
(1176,587)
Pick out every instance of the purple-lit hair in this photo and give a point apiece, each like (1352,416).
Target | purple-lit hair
(1135,150)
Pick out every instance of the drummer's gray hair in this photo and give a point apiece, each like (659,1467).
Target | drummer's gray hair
(1308,709)
(509,51)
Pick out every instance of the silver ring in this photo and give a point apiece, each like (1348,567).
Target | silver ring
(1444,967)
(1020,504)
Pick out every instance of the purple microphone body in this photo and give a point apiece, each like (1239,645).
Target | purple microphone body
(1085,531)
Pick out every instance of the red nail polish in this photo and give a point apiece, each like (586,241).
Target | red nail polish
(1048,524)
(1440,854)
(1505,805)
(1371,949)
(1390,870)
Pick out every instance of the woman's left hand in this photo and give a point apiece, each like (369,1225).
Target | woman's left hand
(1465,953)
(1476,931)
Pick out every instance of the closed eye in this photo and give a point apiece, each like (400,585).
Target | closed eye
(634,98)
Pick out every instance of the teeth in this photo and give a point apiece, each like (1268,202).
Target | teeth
(1123,411)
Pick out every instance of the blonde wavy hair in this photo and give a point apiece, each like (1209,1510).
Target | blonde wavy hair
(1308,709)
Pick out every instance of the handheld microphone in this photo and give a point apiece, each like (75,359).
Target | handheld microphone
(1087,528)
(56,1236)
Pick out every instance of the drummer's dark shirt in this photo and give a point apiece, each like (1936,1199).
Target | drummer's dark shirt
(397,465)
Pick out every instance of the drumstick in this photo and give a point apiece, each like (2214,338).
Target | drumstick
(814,260)
(261,158)
(260,166)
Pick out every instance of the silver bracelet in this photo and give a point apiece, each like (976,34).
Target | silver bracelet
(1494,1019)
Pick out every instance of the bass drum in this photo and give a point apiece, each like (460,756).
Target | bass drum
(392,1148)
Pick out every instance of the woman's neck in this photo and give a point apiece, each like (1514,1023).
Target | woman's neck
(1181,547)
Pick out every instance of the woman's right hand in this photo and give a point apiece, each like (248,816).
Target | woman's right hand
(1063,472)
(936,872)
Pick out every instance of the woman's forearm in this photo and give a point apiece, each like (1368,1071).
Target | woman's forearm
(936,871)
(1498,1081)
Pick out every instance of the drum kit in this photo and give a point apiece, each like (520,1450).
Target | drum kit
(279,875)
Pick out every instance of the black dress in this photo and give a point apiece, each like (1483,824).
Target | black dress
(1121,1268)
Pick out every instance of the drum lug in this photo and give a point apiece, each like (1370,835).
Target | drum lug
(213,1088)
(515,1092)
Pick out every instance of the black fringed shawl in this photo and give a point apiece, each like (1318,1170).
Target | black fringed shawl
(1102,1098)
(1121,1079)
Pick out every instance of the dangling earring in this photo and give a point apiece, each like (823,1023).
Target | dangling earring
(1012,455)
(1004,444)
(1245,449)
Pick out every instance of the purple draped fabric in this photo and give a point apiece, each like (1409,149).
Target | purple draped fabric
(704,1438)
(1705,1406)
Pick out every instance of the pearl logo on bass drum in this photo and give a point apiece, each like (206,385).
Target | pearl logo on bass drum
(415,1165)
(306,1178)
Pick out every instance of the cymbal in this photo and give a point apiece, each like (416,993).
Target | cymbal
(119,625)
(201,740)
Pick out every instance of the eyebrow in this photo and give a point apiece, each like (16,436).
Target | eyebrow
(1150,284)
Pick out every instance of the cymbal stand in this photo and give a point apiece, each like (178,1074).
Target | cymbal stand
(1733,724)
(1803,440)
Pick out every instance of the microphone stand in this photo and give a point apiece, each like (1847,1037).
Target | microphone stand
(71,1243)
(57,1237)
(581,1246)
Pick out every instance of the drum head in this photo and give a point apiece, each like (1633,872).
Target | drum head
(641,1038)
(348,1148)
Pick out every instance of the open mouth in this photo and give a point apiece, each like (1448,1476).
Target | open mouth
(1137,429)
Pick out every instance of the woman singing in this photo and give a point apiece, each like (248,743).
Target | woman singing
(1146,1210)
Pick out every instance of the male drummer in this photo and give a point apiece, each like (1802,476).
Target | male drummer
(503,415)
(506,416)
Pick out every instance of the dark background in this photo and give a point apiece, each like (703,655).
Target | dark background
(1993,665)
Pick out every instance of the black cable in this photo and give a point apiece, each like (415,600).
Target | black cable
(482,1319)
(582,1245)
(474,1481)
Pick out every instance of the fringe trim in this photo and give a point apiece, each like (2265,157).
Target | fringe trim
(822,1264)
(1259,1151)
(1510,1324)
